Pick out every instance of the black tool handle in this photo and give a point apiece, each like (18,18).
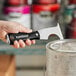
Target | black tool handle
(11,37)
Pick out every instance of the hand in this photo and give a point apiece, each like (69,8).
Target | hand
(14,27)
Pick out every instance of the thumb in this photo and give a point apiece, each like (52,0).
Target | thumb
(3,36)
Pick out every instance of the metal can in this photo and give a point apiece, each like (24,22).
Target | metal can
(14,11)
(61,58)
(44,16)
(44,1)
(71,28)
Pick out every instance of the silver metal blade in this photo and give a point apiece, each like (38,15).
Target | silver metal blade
(45,33)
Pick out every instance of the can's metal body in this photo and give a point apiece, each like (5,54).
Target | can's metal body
(18,12)
(61,58)
(44,16)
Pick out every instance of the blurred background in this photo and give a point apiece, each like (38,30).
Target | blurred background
(38,14)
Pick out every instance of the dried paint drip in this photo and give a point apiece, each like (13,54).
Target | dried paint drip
(61,58)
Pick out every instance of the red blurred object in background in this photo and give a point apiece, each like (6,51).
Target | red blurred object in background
(16,2)
(50,7)
(44,1)
(72,1)
(71,29)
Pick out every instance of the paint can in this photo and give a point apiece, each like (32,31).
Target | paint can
(44,16)
(61,58)
(18,11)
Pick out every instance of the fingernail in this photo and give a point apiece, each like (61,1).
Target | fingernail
(22,44)
(28,42)
(16,44)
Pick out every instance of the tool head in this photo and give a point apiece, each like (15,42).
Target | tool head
(45,33)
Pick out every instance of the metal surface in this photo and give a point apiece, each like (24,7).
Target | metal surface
(61,58)
(45,33)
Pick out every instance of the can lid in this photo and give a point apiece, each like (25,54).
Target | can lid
(44,1)
(15,2)
(51,7)
(67,45)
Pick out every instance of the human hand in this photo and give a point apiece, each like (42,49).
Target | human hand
(14,27)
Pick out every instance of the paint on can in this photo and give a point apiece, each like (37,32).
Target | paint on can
(71,28)
(18,13)
(44,16)
(44,1)
(68,12)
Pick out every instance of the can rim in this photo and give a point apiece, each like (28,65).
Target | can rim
(60,41)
